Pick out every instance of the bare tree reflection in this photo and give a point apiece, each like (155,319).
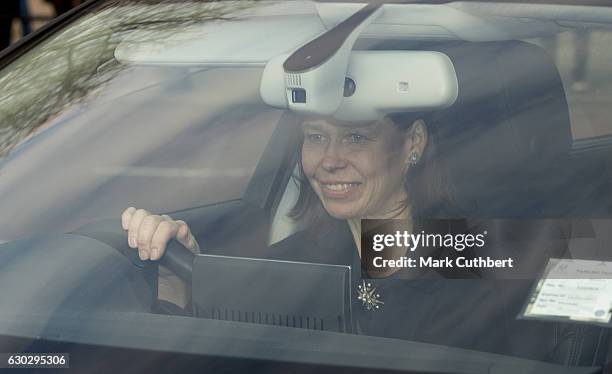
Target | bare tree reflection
(72,66)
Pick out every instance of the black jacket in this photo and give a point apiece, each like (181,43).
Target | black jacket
(476,314)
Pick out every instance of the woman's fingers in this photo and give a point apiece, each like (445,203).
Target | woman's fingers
(166,230)
(147,229)
(126,217)
(134,226)
(185,237)
(150,233)
(182,234)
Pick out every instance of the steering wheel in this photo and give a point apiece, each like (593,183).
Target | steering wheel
(109,231)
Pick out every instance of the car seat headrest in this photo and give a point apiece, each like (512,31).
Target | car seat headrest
(505,138)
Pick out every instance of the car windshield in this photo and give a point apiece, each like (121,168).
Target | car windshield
(429,189)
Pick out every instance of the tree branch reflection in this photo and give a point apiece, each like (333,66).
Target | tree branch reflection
(72,66)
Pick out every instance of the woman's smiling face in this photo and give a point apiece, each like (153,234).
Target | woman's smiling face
(356,170)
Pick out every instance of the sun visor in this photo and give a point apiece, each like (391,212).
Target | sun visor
(375,83)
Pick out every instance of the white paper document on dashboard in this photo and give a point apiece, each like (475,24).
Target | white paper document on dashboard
(578,290)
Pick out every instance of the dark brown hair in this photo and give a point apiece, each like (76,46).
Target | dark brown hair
(427,184)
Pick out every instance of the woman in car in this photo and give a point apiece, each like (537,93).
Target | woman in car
(395,168)
(384,169)
(387,169)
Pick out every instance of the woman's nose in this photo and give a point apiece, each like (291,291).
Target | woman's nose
(333,159)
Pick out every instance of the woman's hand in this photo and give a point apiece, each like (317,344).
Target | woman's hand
(150,233)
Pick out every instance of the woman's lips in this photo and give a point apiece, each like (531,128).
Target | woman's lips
(337,190)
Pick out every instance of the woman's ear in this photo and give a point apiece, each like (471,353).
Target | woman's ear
(415,142)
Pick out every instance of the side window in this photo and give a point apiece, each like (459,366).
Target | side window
(583,59)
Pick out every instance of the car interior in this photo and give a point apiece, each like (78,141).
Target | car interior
(507,143)
(519,118)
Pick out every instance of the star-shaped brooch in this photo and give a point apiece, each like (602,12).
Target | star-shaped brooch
(368,296)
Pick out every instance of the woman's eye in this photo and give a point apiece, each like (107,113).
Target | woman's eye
(315,138)
(356,138)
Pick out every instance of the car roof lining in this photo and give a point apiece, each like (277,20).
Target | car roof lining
(471,21)
(201,44)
